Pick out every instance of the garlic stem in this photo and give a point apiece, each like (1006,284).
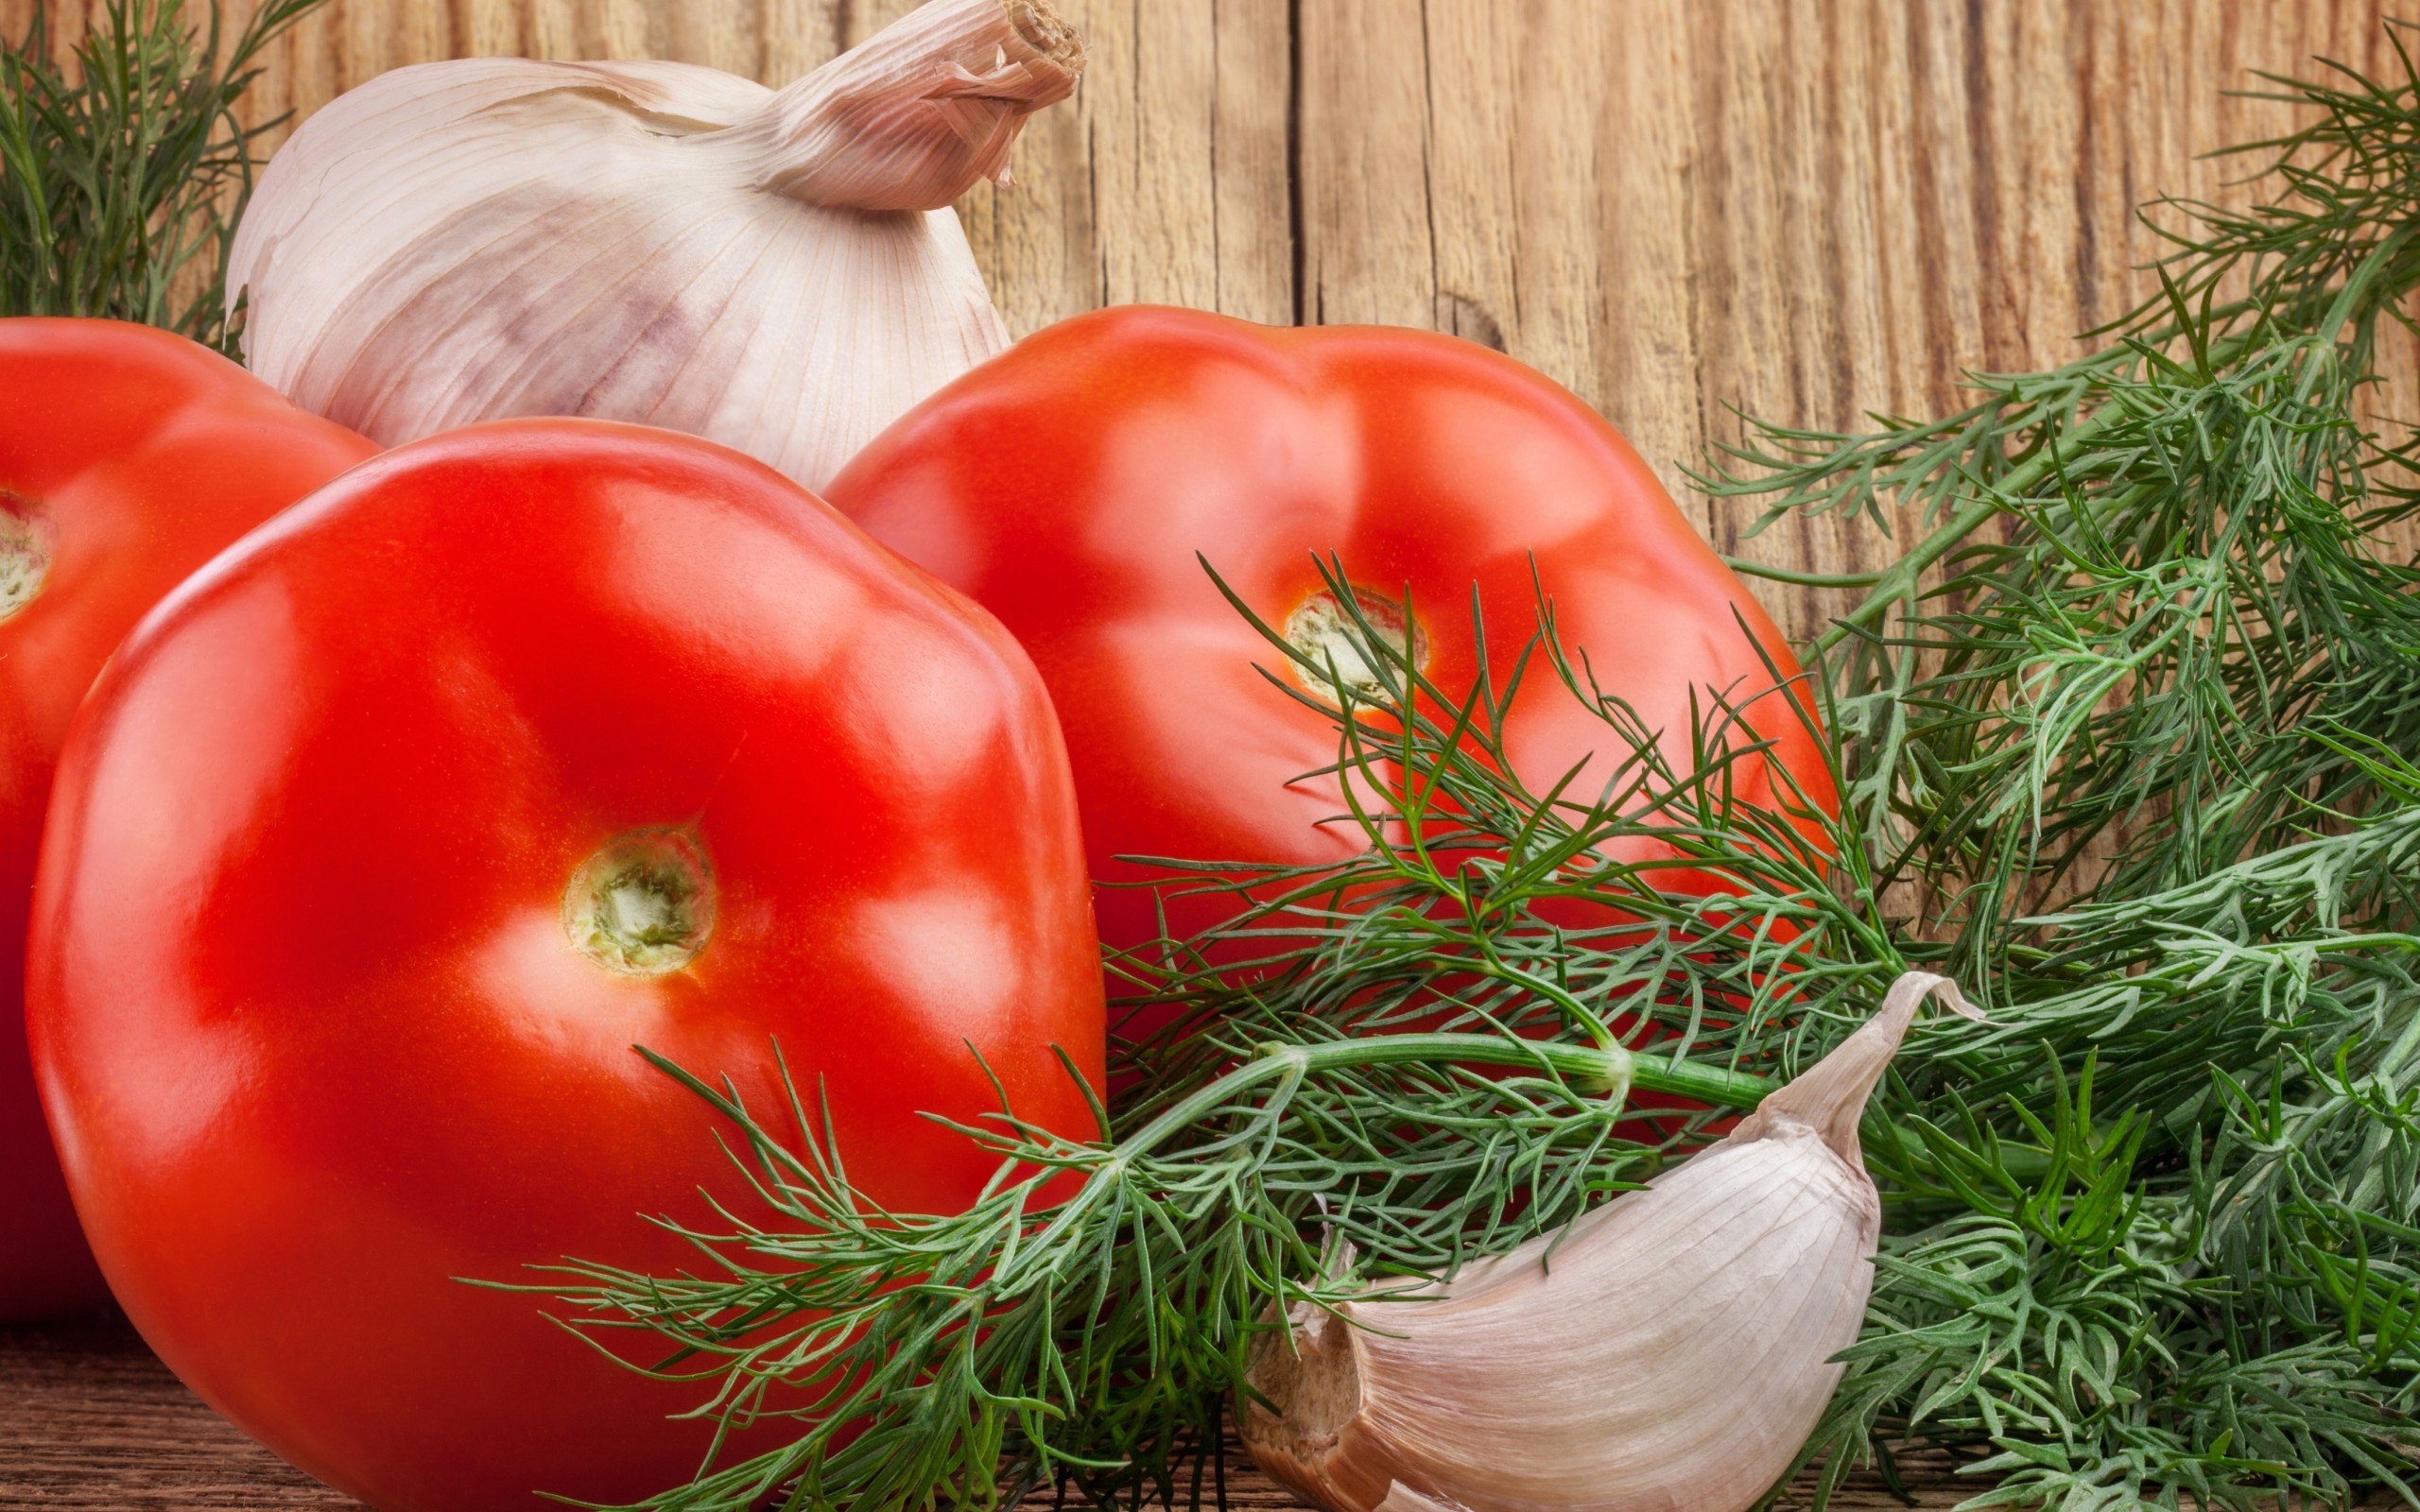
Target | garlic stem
(913,118)
(1829,1097)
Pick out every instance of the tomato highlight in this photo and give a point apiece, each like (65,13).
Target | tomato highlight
(129,456)
(1074,485)
(385,838)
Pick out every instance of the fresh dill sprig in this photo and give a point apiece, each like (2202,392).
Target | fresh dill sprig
(2143,749)
(2106,1256)
(122,177)
(2112,688)
(1393,1054)
(2173,689)
(2207,1286)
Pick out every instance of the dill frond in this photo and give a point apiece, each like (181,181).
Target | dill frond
(122,175)
(2146,748)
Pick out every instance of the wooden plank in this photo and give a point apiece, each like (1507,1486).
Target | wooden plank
(1900,193)
(1369,249)
(1251,162)
(90,1421)
(1150,116)
(1810,208)
(1473,167)
(796,37)
(1811,211)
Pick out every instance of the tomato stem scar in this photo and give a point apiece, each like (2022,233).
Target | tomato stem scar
(644,904)
(1322,629)
(25,553)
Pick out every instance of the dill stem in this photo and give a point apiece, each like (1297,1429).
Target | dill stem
(1607,1067)
(1785,575)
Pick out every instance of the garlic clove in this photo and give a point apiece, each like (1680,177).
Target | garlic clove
(654,242)
(1670,1350)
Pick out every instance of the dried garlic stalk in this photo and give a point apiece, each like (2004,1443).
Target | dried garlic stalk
(1669,1354)
(647,241)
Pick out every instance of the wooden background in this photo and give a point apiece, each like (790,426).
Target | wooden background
(91,1422)
(1810,208)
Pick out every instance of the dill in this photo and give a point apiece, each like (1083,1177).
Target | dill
(2173,692)
(122,177)
(1389,1053)
(2142,752)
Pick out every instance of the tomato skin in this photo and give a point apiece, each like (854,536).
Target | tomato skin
(305,1009)
(1067,484)
(138,455)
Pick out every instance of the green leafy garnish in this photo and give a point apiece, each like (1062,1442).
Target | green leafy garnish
(2135,764)
(1389,1056)
(2158,663)
(122,175)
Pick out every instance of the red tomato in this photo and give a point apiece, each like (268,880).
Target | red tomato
(128,457)
(385,839)
(1068,484)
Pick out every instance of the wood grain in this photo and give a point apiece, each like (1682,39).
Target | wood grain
(91,1422)
(1810,209)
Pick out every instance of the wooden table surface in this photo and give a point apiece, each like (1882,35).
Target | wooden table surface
(91,1422)
(1808,208)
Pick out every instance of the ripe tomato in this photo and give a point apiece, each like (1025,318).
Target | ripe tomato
(128,457)
(384,840)
(1068,484)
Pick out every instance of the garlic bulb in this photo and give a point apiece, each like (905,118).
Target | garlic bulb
(647,241)
(1668,1355)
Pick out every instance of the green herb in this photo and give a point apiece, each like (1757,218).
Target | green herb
(2138,679)
(2176,685)
(2143,755)
(1332,1094)
(121,177)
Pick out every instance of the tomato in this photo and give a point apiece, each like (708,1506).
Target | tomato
(128,457)
(1068,484)
(385,839)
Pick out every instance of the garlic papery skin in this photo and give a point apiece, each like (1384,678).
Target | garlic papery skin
(1668,1351)
(651,241)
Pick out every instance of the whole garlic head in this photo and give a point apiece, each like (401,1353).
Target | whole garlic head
(647,241)
(1668,1351)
